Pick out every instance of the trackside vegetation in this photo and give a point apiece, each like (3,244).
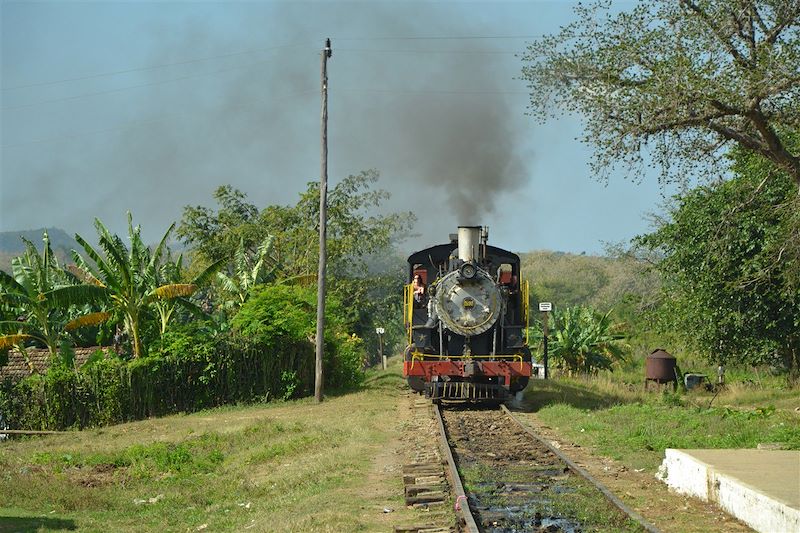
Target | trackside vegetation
(233,323)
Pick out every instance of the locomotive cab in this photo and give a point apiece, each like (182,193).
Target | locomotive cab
(467,334)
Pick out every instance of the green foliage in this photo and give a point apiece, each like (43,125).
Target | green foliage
(40,293)
(216,235)
(730,277)
(584,341)
(353,230)
(279,314)
(279,311)
(289,384)
(676,81)
(248,270)
(189,369)
(135,279)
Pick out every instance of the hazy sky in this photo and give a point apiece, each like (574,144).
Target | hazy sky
(149,106)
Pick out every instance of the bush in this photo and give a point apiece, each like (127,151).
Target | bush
(183,376)
(268,355)
(279,314)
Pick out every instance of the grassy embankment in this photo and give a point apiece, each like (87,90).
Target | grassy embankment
(290,466)
(297,466)
(633,426)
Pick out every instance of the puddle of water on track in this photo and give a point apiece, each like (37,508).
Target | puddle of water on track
(519,507)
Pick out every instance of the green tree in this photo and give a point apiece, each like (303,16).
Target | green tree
(217,234)
(130,277)
(676,80)
(730,276)
(41,291)
(584,341)
(354,230)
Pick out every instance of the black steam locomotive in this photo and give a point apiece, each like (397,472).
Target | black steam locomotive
(466,315)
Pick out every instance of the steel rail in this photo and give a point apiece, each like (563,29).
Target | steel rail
(462,504)
(610,496)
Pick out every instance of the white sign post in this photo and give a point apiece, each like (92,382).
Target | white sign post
(546,308)
(380,332)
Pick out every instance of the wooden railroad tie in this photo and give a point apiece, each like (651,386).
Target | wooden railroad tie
(424,484)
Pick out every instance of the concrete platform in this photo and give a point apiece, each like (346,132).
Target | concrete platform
(759,487)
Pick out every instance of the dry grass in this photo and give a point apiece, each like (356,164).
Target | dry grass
(293,466)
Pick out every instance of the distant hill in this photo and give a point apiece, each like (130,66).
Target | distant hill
(11,244)
(566,279)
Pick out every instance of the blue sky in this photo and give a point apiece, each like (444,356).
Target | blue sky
(149,106)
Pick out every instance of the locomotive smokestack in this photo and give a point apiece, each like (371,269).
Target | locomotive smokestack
(469,239)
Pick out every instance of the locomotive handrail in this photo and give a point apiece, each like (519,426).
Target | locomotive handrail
(526,307)
(408,309)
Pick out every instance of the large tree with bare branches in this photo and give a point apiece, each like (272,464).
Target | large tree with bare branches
(675,81)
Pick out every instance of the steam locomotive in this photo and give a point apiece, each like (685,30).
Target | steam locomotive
(466,317)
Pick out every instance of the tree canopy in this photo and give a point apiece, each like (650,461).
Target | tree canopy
(730,275)
(355,230)
(677,81)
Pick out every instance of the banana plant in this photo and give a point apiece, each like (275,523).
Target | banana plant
(40,291)
(174,291)
(249,269)
(586,341)
(131,277)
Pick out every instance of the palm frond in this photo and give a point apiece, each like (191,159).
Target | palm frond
(91,319)
(9,341)
(115,251)
(175,290)
(228,284)
(84,275)
(156,256)
(76,295)
(203,278)
(107,272)
(16,299)
(10,284)
(11,327)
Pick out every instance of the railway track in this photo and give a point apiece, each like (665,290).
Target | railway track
(507,479)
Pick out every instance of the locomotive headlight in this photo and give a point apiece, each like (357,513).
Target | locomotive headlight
(468,271)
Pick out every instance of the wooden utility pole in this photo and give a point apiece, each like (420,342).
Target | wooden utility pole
(323,227)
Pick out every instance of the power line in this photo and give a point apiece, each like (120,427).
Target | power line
(440,38)
(266,49)
(150,67)
(138,86)
(459,52)
(426,91)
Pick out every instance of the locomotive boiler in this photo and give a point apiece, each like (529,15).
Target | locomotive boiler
(466,317)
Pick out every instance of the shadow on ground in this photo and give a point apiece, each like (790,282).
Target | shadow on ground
(25,524)
(541,394)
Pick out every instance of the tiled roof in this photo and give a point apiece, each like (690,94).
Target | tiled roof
(18,368)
